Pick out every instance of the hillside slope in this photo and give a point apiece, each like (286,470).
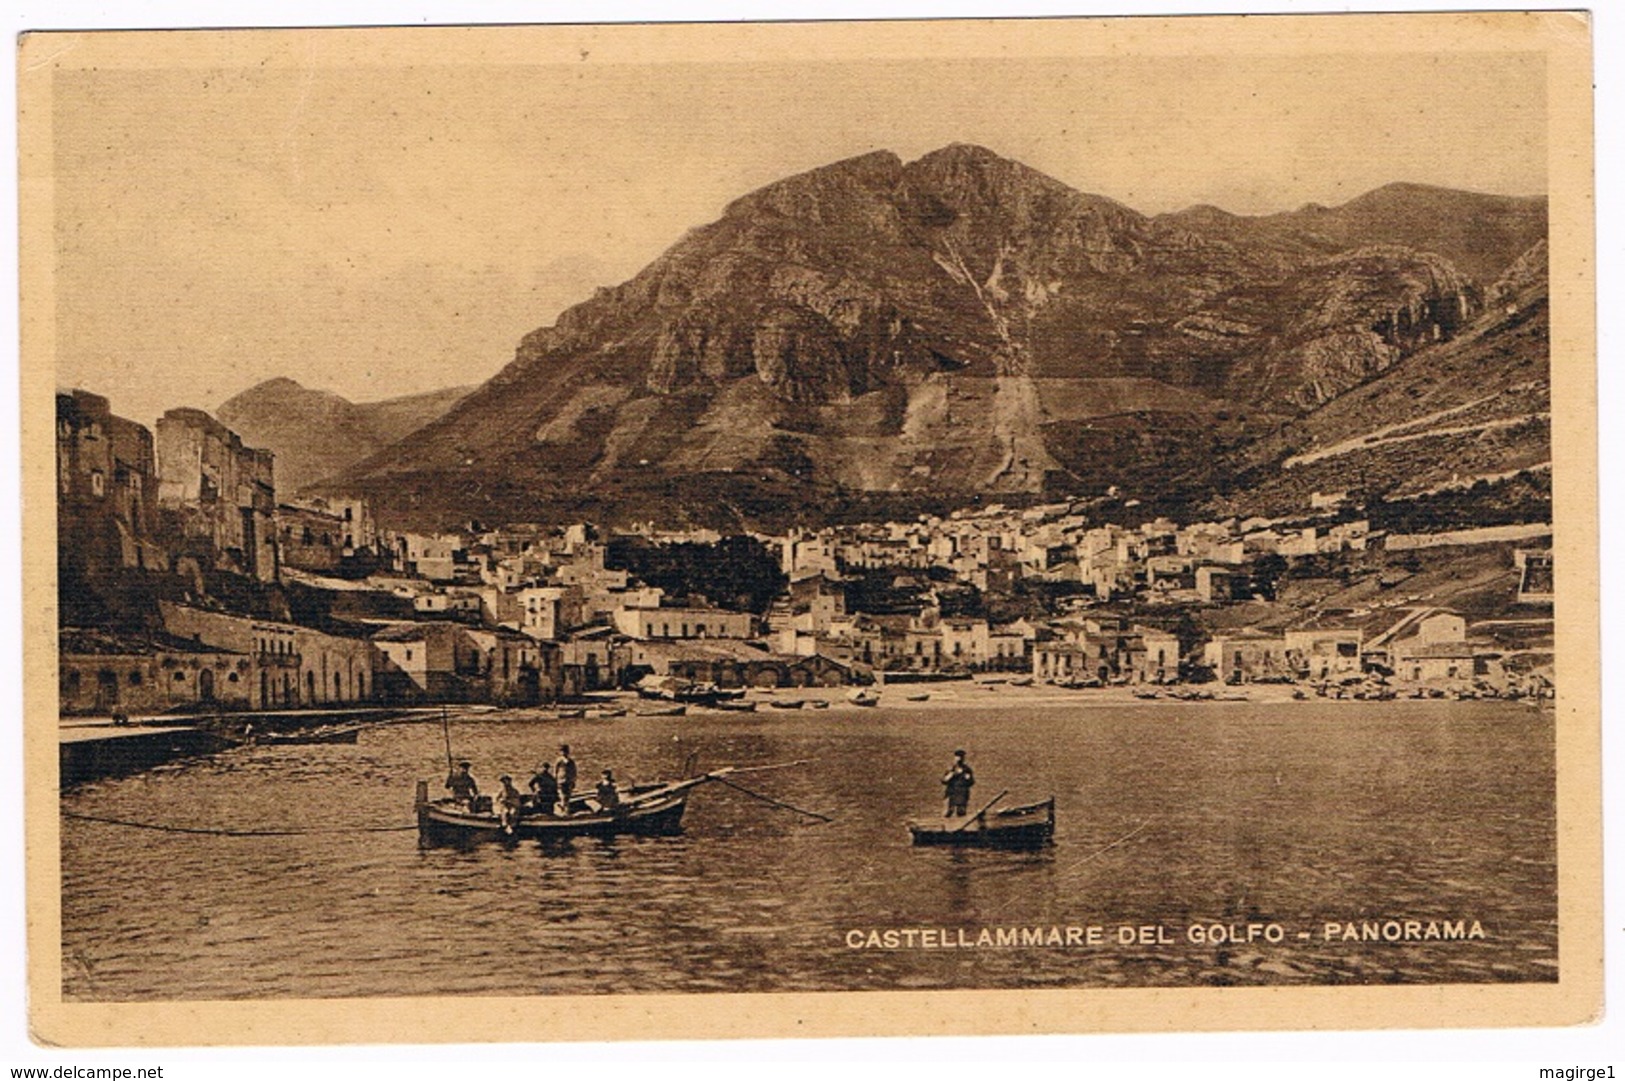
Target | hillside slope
(1474,408)
(875,333)
(316,434)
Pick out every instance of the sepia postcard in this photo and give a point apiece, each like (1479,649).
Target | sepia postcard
(810,529)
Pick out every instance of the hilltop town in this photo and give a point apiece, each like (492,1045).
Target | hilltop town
(188,584)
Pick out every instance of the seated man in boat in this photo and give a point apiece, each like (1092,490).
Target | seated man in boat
(609,796)
(956,784)
(461,783)
(544,790)
(508,803)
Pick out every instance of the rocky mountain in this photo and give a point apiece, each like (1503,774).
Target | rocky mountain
(1471,410)
(874,334)
(316,434)
(1472,231)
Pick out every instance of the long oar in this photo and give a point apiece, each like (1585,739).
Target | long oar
(980,813)
(770,800)
(717,775)
(776,765)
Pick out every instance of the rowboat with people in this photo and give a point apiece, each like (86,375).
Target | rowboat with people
(651,810)
(1031,825)
(647,809)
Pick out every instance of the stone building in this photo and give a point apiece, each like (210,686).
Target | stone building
(1248,656)
(1325,653)
(1151,655)
(107,489)
(449,662)
(222,492)
(309,539)
(518,669)
(99,672)
(290,665)
(683,622)
(434,662)
(432,556)
(1536,580)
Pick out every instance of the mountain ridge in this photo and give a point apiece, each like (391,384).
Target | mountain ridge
(315,434)
(874,329)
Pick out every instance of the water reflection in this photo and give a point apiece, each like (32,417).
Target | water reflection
(1168,815)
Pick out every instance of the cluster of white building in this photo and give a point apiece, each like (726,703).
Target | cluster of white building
(535,613)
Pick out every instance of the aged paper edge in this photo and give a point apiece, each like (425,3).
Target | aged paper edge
(1577,998)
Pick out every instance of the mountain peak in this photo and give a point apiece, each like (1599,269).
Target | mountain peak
(923,331)
(316,433)
(811,193)
(279,383)
(963,152)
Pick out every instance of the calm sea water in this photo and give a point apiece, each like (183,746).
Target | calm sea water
(1170,815)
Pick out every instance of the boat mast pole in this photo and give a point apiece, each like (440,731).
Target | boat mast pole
(445,726)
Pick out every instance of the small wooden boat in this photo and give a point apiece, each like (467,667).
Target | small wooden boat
(1149,696)
(818,703)
(572,714)
(731,705)
(647,809)
(919,698)
(291,739)
(864,697)
(668,711)
(1031,825)
(788,703)
(671,689)
(707,694)
(654,809)
(1022,681)
(609,711)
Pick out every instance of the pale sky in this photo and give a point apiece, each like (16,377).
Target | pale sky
(391,230)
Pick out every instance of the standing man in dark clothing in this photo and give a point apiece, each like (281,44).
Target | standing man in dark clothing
(564,774)
(461,783)
(957,784)
(544,790)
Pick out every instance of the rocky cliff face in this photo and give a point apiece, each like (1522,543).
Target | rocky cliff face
(946,326)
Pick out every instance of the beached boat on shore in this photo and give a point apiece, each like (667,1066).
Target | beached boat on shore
(300,738)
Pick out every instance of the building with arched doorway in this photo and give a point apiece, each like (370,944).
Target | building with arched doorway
(290,665)
(101,672)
